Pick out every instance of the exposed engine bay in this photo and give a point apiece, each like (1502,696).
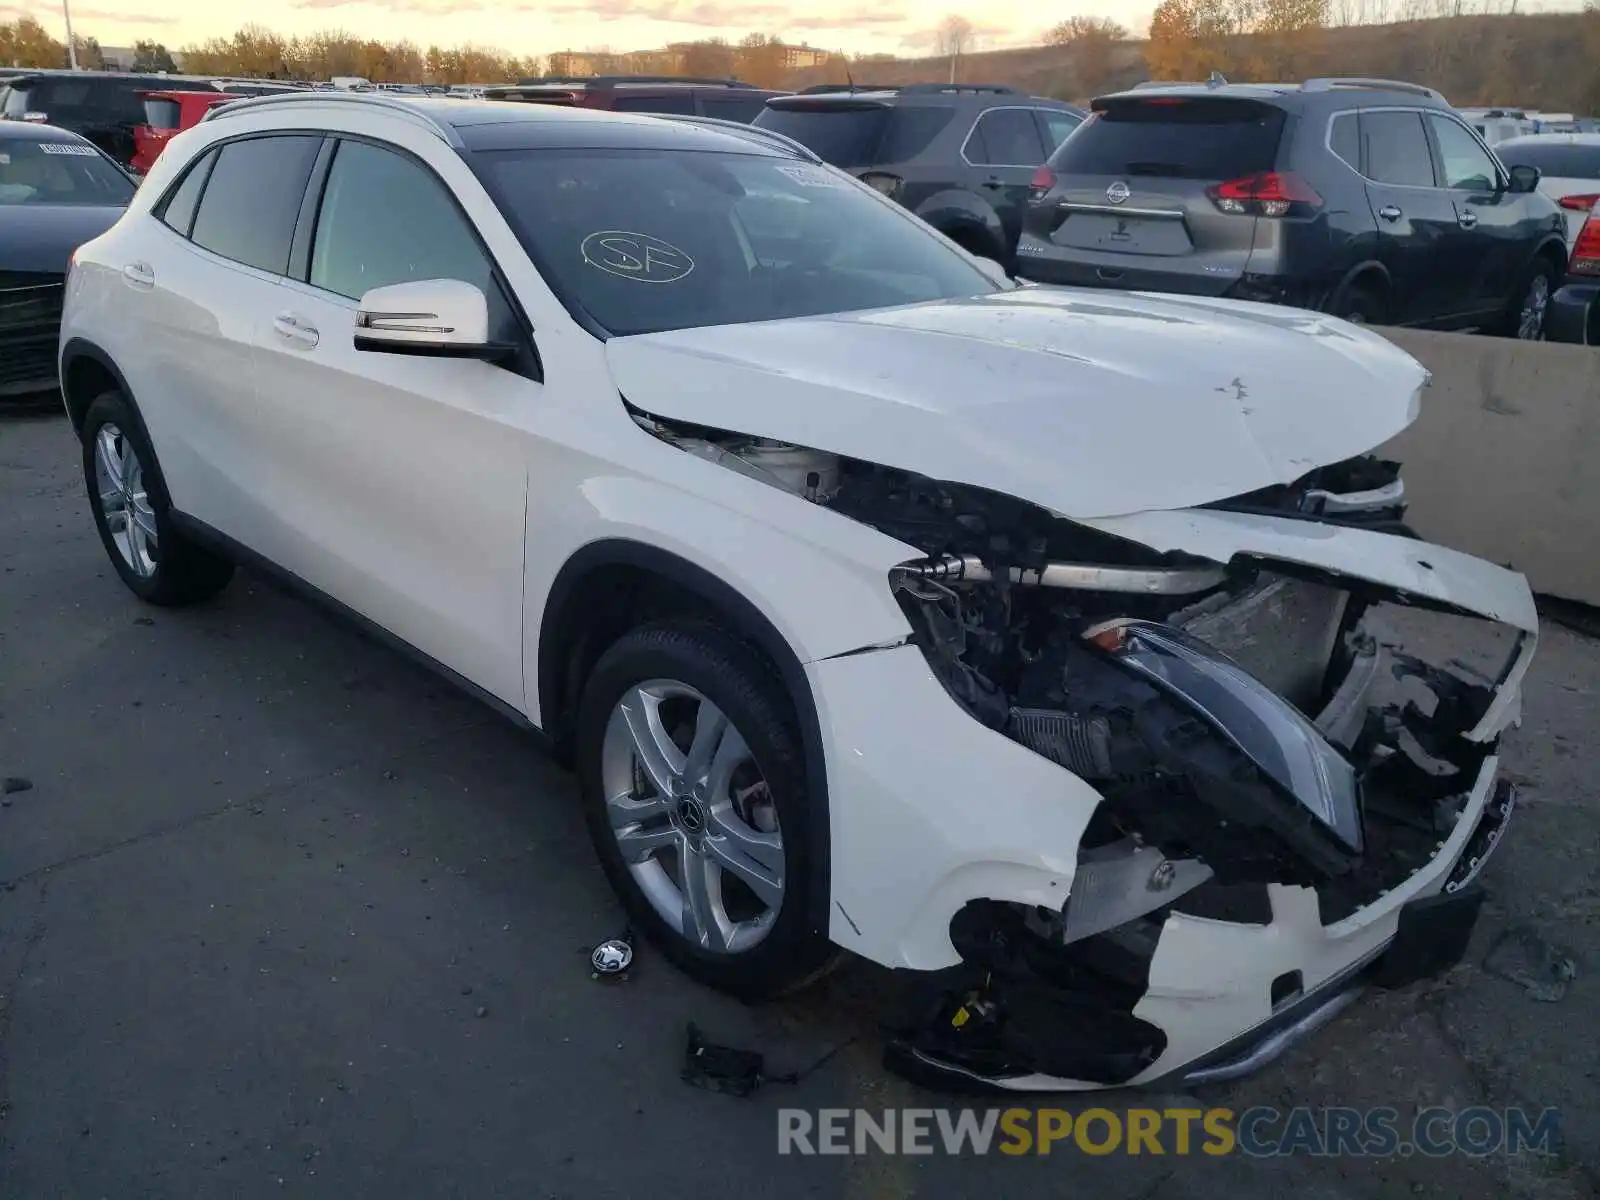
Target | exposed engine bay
(1247,724)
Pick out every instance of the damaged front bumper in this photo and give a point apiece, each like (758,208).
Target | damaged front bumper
(1052,987)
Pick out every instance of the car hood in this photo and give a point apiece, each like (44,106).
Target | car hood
(40,238)
(1091,404)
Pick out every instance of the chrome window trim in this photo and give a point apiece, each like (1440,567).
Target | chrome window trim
(1424,113)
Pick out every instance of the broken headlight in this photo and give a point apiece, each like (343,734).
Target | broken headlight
(1267,729)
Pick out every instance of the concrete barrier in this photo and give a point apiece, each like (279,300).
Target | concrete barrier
(1504,461)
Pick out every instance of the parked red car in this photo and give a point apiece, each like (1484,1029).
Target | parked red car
(166,114)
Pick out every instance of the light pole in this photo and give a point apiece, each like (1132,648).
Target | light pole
(72,49)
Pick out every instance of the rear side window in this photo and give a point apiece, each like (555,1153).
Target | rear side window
(1395,146)
(253,198)
(911,130)
(178,212)
(1005,137)
(1345,137)
(1574,161)
(844,134)
(675,103)
(1175,138)
(743,109)
(161,114)
(370,230)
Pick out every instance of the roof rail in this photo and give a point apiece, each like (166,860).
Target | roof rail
(612,81)
(752,133)
(388,101)
(997,89)
(1390,85)
(824,89)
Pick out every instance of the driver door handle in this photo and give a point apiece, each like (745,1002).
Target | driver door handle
(1390,212)
(295,329)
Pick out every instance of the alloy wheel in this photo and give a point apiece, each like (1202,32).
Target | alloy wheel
(124,500)
(1530,322)
(693,816)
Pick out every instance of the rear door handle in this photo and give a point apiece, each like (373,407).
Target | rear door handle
(295,329)
(1390,212)
(1467,219)
(139,274)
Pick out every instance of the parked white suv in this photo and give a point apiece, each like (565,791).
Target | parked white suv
(1026,639)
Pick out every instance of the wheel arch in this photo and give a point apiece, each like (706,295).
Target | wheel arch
(604,589)
(1554,250)
(1367,272)
(88,372)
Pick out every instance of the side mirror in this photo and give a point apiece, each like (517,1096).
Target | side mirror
(439,318)
(1525,179)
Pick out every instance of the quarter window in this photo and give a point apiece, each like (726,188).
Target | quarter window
(1058,126)
(1345,138)
(1006,137)
(252,199)
(1396,149)
(1467,165)
(386,219)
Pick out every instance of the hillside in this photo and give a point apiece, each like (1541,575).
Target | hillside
(1549,61)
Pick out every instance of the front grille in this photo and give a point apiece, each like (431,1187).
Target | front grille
(30,325)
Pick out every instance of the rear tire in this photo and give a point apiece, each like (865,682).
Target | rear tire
(133,512)
(739,817)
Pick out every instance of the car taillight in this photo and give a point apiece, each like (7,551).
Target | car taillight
(1043,180)
(1586,252)
(882,181)
(1582,202)
(1267,194)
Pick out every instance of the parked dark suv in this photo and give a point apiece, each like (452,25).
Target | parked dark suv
(725,99)
(961,157)
(102,106)
(1365,198)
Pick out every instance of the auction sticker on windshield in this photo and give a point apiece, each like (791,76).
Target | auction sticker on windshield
(636,256)
(812,177)
(68,148)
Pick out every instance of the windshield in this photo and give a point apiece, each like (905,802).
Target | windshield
(47,172)
(644,241)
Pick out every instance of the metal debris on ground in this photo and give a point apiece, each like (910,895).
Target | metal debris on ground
(720,1068)
(1541,969)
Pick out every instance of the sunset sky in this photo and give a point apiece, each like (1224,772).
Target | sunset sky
(540,26)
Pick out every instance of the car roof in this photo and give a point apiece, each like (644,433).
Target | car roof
(844,94)
(30,131)
(507,125)
(1332,92)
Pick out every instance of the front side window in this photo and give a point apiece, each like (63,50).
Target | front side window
(1005,137)
(645,241)
(1058,126)
(50,171)
(1397,149)
(386,219)
(1467,165)
(252,199)
(178,212)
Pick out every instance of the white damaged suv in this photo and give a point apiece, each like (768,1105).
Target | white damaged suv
(1038,643)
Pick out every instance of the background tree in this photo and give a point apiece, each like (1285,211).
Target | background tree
(761,60)
(25,43)
(954,38)
(1093,42)
(709,59)
(152,56)
(90,56)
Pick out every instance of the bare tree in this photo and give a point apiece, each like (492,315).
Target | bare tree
(954,37)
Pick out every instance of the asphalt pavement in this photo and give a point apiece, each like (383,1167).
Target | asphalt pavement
(282,914)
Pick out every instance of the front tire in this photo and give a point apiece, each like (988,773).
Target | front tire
(695,793)
(1524,319)
(134,515)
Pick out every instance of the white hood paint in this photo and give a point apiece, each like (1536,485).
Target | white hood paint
(1092,404)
